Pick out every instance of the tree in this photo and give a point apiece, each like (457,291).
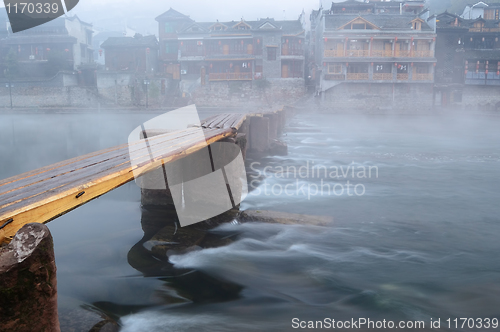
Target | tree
(11,65)
(56,61)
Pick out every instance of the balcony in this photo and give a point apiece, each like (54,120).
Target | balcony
(402,77)
(382,53)
(480,78)
(423,77)
(403,53)
(357,76)
(377,54)
(382,76)
(230,76)
(358,53)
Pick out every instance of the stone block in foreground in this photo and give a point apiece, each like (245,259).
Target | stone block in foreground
(284,218)
(28,286)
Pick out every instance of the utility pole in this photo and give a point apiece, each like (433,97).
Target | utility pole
(146,82)
(8,85)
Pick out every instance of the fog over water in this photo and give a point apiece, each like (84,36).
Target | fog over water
(420,243)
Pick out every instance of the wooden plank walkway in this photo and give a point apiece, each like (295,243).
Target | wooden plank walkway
(44,194)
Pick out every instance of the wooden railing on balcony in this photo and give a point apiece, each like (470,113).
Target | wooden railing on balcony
(402,77)
(357,76)
(484,30)
(358,53)
(382,76)
(423,54)
(422,77)
(381,53)
(403,53)
(230,76)
(334,53)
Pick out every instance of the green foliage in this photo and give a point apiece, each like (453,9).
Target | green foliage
(11,65)
(235,86)
(262,84)
(154,90)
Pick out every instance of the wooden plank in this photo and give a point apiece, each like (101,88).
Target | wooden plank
(53,197)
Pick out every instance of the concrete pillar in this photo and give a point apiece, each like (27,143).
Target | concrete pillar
(28,285)
(259,133)
(273,125)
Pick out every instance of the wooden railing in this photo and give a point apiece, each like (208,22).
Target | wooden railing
(402,77)
(230,76)
(334,53)
(403,53)
(358,53)
(484,30)
(382,76)
(422,77)
(358,76)
(378,54)
(382,53)
(423,54)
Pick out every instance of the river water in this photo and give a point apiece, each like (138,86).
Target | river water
(414,237)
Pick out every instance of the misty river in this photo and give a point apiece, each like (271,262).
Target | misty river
(416,239)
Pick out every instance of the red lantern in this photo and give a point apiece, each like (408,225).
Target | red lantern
(48,49)
(249,65)
(231,65)
(66,50)
(343,9)
(182,43)
(326,39)
(258,41)
(36,50)
(287,41)
(466,66)
(300,41)
(498,68)
(242,42)
(211,66)
(477,67)
(220,42)
(487,63)
(147,50)
(347,64)
(100,52)
(396,64)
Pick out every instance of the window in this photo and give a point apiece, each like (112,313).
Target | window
(334,69)
(169,27)
(271,53)
(171,47)
(417,26)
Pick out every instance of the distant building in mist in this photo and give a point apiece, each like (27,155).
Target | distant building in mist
(138,54)
(468,52)
(381,52)
(69,37)
(230,51)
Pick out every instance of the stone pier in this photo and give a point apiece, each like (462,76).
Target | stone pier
(28,286)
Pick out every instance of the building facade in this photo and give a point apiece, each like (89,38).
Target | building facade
(230,51)
(468,53)
(138,54)
(69,37)
(374,43)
